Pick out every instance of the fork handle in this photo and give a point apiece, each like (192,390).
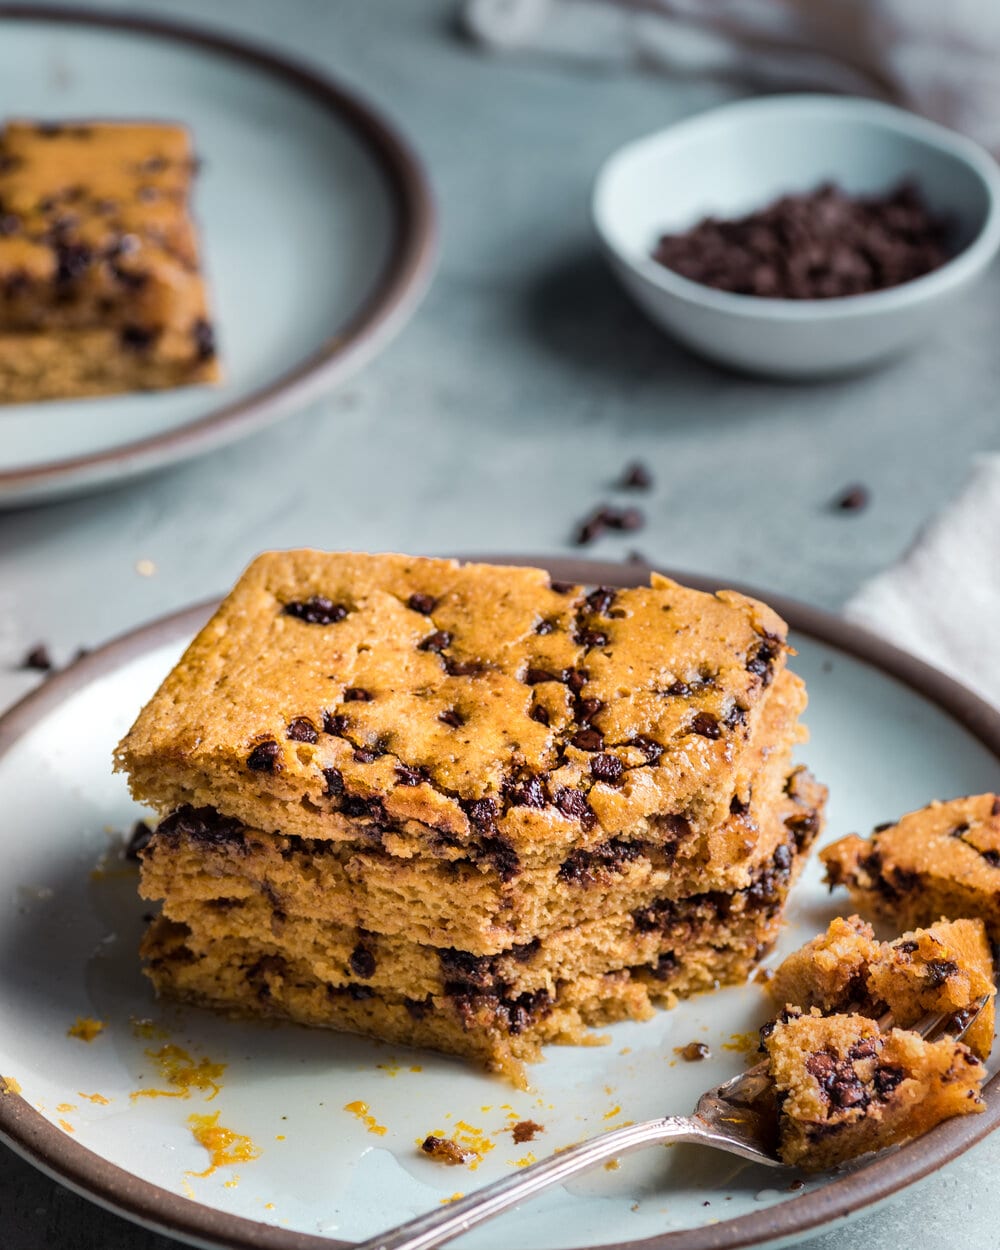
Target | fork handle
(459,1216)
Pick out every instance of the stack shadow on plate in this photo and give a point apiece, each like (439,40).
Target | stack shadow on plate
(465,807)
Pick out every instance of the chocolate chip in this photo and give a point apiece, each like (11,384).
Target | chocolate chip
(587,709)
(737,806)
(316,610)
(590,638)
(10,224)
(545,627)
(301,729)
(605,517)
(435,642)
(482,813)
(678,689)
(591,527)
(529,792)
(72,261)
(50,130)
(203,334)
(535,676)
(607,768)
(636,476)
(409,776)
(584,867)
(588,740)
(601,599)
(453,717)
(334,782)
(627,519)
(694,1052)
(367,755)
(562,588)
(362,962)
(575,678)
(138,840)
(939,970)
(573,803)
(761,658)
(852,499)
(540,714)
(499,851)
(995,809)
(707,725)
(355,694)
(424,604)
(463,668)
(335,723)
(38,658)
(265,757)
(137,338)
(888,824)
(202,824)
(648,746)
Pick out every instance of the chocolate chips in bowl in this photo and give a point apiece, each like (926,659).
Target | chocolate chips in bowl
(799,236)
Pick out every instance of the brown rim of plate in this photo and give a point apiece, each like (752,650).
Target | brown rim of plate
(55,1153)
(400,286)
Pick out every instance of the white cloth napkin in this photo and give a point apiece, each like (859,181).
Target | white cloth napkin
(942,600)
(938,57)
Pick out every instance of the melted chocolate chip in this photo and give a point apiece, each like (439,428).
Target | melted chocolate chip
(301,729)
(588,739)
(838,1080)
(499,852)
(648,746)
(418,1008)
(317,610)
(585,867)
(453,717)
(529,792)
(607,768)
(424,604)
(335,724)
(587,709)
(463,668)
(202,824)
(601,599)
(367,755)
(705,724)
(355,694)
(939,970)
(761,659)
(482,814)
(535,676)
(265,757)
(573,803)
(409,776)
(540,714)
(435,642)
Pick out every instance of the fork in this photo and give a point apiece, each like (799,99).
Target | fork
(737,1116)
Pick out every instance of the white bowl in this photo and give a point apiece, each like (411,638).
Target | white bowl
(735,159)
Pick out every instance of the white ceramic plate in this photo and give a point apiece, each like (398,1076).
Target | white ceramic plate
(888,735)
(317,230)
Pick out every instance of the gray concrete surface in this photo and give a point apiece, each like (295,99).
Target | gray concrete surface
(500,415)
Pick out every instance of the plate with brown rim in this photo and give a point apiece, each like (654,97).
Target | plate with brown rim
(317,226)
(325,1127)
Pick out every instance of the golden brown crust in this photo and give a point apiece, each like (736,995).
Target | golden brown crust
(650,695)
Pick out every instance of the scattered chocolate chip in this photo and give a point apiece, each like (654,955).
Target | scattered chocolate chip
(453,717)
(265,757)
(138,840)
(315,611)
(693,1052)
(588,740)
(636,476)
(627,519)
(38,658)
(355,694)
(362,962)
(424,604)
(607,768)
(435,642)
(203,334)
(852,499)
(301,729)
(525,1130)
(707,725)
(605,518)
